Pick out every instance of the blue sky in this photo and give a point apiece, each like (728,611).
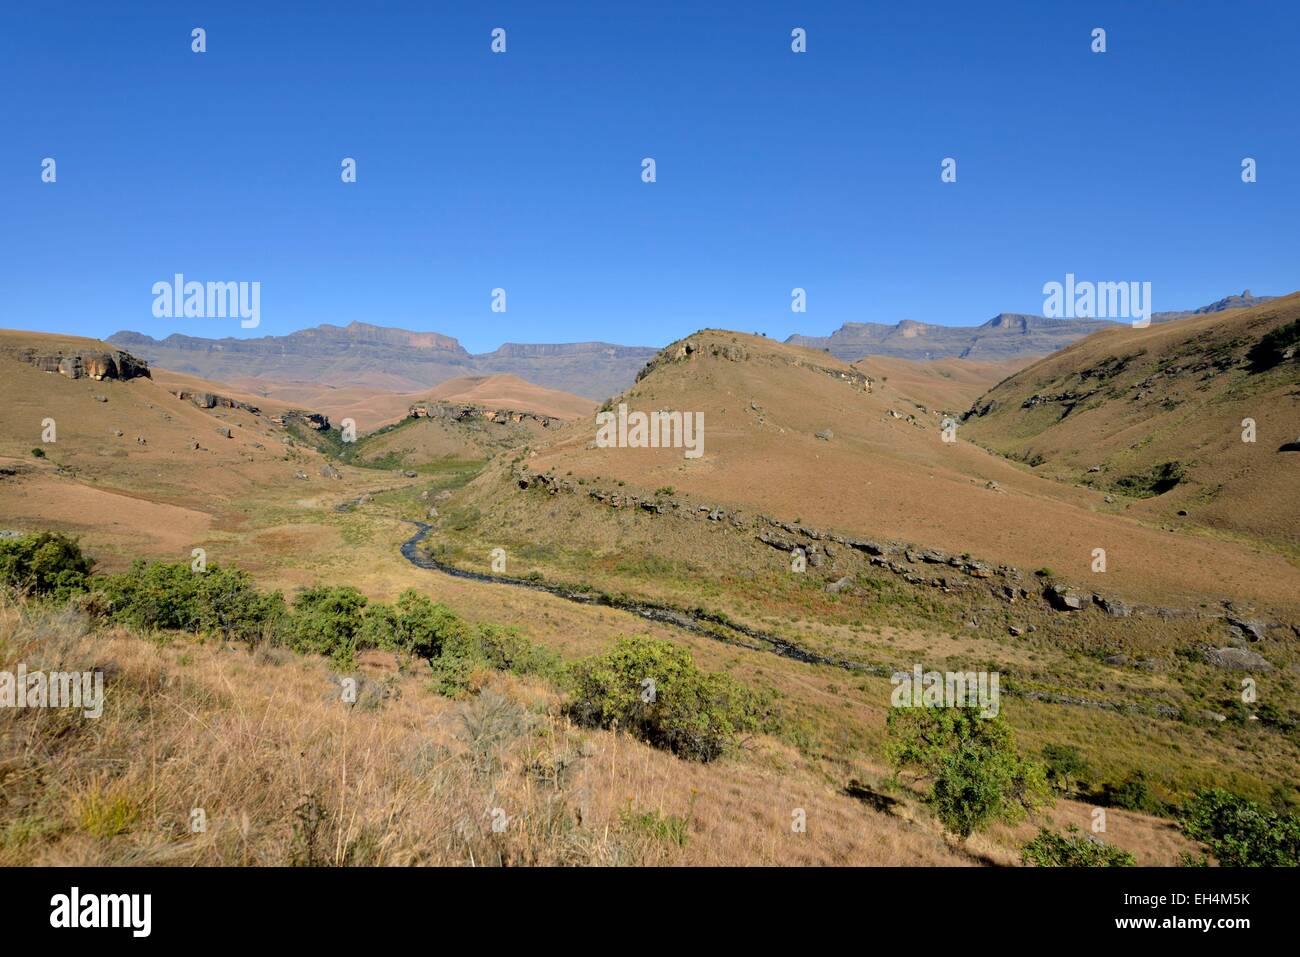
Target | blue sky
(523,170)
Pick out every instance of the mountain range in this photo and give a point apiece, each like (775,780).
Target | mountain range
(1008,335)
(395,360)
(398,360)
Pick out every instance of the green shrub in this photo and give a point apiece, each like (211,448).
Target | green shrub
(153,595)
(219,602)
(1154,481)
(326,620)
(232,608)
(38,453)
(653,690)
(467,649)
(44,565)
(416,625)
(977,776)
(1073,849)
(1239,832)
(1133,794)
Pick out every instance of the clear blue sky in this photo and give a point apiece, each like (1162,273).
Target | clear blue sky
(522,170)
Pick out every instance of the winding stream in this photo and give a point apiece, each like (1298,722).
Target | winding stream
(720,629)
(698,622)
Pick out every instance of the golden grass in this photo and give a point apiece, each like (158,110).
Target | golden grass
(284,772)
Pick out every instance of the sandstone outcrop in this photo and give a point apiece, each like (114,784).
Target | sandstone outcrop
(95,364)
(210,400)
(464,413)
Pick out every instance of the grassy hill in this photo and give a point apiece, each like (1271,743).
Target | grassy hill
(1154,417)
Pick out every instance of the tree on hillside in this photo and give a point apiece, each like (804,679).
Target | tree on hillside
(1064,766)
(976,776)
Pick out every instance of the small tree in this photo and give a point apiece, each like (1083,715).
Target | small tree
(1064,763)
(976,776)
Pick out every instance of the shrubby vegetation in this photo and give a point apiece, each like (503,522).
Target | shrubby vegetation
(44,565)
(1132,794)
(649,688)
(971,762)
(470,651)
(653,689)
(1073,849)
(693,713)
(221,602)
(1240,833)
(1272,348)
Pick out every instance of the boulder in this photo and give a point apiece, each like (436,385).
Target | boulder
(1062,599)
(1112,606)
(1237,659)
(1252,629)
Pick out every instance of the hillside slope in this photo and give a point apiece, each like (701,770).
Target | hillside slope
(131,464)
(1156,416)
(374,408)
(793,433)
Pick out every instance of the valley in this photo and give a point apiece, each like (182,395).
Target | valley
(826,539)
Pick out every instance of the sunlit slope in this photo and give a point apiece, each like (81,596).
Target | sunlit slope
(944,384)
(1157,417)
(790,433)
(373,408)
(126,460)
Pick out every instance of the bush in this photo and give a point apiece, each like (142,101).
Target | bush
(470,649)
(1073,849)
(43,565)
(153,595)
(977,776)
(1133,794)
(230,606)
(653,690)
(1154,481)
(326,620)
(416,625)
(1239,832)
(220,602)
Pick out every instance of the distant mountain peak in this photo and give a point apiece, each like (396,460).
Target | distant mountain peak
(1005,336)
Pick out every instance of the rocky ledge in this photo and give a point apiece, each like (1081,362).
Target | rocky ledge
(462,413)
(210,400)
(88,363)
